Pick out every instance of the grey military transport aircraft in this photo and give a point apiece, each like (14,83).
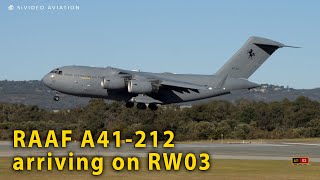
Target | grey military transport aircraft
(147,89)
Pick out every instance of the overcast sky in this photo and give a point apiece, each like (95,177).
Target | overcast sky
(181,36)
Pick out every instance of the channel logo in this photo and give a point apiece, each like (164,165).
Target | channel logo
(57,7)
(11,8)
(300,161)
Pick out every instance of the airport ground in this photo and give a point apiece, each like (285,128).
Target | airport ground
(221,169)
(231,159)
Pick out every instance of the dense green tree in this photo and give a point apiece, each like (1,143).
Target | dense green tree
(241,120)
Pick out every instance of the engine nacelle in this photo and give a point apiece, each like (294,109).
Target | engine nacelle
(141,87)
(113,83)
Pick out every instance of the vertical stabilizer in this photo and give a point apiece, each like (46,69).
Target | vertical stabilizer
(249,57)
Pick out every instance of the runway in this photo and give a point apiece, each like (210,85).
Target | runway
(258,151)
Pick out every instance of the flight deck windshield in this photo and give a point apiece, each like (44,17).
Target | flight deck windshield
(57,71)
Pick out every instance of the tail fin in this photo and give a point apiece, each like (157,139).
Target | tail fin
(249,57)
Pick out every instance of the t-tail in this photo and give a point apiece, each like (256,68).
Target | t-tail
(249,57)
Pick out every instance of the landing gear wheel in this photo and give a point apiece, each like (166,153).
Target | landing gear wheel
(129,104)
(56,98)
(153,107)
(141,106)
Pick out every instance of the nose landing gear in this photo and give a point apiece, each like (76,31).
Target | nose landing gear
(56,98)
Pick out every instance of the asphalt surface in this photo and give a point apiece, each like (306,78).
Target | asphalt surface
(259,151)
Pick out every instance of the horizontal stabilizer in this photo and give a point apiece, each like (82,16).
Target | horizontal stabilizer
(291,46)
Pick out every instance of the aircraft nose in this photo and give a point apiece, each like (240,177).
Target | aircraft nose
(46,80)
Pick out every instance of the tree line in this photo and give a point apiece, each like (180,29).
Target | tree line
(240,120)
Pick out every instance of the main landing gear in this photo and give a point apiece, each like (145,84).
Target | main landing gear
(142,106)
(129,104)
(153,107)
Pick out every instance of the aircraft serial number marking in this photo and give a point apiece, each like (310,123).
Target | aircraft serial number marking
(140,139)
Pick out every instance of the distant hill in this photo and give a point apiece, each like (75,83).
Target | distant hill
(35,93)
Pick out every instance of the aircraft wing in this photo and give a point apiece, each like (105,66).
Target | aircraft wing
(175,84)
(185,85)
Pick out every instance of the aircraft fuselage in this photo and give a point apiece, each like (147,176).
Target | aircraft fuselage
(86,82)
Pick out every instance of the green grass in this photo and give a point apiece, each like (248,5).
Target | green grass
(220,169)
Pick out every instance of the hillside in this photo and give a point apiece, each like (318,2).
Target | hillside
(35,93)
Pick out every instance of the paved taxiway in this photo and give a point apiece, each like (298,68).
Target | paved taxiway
(263,151)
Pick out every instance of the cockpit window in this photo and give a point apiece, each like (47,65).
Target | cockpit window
(56,71)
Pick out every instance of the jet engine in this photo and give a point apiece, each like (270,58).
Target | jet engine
(141,87)
(113,83)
